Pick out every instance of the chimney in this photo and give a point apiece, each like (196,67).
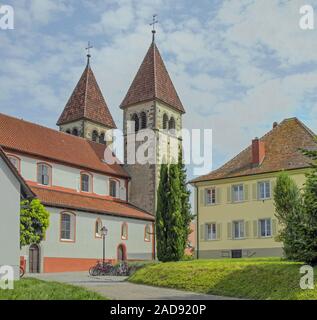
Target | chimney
(258,151)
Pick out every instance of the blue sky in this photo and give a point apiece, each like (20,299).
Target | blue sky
(238,66)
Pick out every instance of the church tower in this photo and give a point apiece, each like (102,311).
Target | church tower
(151,103)
(86,113)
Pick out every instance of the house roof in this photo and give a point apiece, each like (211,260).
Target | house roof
(73,200)
(282,152)
(32,139)
(152,81)
(25,189)
(87,102)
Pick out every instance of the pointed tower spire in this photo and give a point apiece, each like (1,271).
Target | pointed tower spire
(151,82)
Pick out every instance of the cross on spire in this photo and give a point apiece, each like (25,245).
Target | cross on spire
(88,51)
(154,22)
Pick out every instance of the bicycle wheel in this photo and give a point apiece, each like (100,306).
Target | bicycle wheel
(93,271)
(21,272)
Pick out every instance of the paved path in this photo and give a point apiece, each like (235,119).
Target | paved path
(119,289)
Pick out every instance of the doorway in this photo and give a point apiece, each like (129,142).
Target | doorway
(122,252)
(34,259)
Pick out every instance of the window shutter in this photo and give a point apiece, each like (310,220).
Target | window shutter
(246,192)
(255,229)
(218,195)
(229,230)
(202,197)
(218,231)
(274,227)
(202,230)
(229,195)
(247,229)
(254,191)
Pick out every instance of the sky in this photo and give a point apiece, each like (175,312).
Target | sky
(238,66)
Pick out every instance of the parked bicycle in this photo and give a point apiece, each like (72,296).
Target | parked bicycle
(122,269)
(101,269)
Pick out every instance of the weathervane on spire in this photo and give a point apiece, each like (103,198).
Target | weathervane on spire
(88,51)
(154,22)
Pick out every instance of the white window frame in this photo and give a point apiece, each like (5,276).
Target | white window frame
(266,193)
(116,183)
(240,193)
(210,196)
(89,182)
(267,222)
(241,229)
(211,231)
(16,162)
(41,174)
(71,227)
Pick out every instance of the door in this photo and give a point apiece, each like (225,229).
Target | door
(34,259)
(122,256)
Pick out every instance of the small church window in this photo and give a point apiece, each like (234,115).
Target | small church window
(135,118)
(75,132)
(67,232)
(124,231)
(98,227)
(94,136)
(143,120)
(147,235)
(113,188)
(44,174)
(86,182)
(102,138)
(171,124)
(165,121)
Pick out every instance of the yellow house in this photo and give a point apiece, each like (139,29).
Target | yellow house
(234,204)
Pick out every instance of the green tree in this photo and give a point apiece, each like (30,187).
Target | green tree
(34,221)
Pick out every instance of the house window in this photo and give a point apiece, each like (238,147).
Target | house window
(94,136)
(171,124)
(98,226)
(237,193)
(265,226)
(15,161)
(143,120)
(211,230)
(44,174)
(102,138)
(67,227)
(238,229)
(113,188)
(75,132)
(86,182)
(124,231)
(165,121)
(210,196)
(147,235)
(264,190)
(135,118)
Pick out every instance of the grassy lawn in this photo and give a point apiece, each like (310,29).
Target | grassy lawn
(267,278)
(33,289)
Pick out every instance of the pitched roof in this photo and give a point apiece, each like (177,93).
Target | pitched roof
(87,102)
(25,189)
(89,203)
(282,152)
(29,138)
(152,81)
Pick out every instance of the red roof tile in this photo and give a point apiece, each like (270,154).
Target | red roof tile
(29,138)
(89,203)
(152,81)
(282,152)
(87,102)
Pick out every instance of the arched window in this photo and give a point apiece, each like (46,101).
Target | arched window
(75,132)
(68,226)
(86,182)
(44,174)
(15,161)
(94,136)
(68,131)
(165,121)
(98,226)
(143,120)
(124,231)
(135,118)
(171,124)
(147,233)
(113,188)
(102,138)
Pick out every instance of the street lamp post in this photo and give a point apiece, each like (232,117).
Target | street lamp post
(104,232)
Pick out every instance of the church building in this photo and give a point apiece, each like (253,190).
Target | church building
(66,170)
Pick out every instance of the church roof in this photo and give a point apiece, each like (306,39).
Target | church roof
(87,102)
(35,140)
(89,203)
(152,81)
(282,152)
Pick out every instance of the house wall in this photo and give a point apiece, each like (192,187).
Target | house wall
(250,211)
(80,255)
(10,219)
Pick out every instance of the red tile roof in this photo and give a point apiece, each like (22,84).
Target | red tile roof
(29,138)
(152,81)
(282,152)
(87,102)
(89,203)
